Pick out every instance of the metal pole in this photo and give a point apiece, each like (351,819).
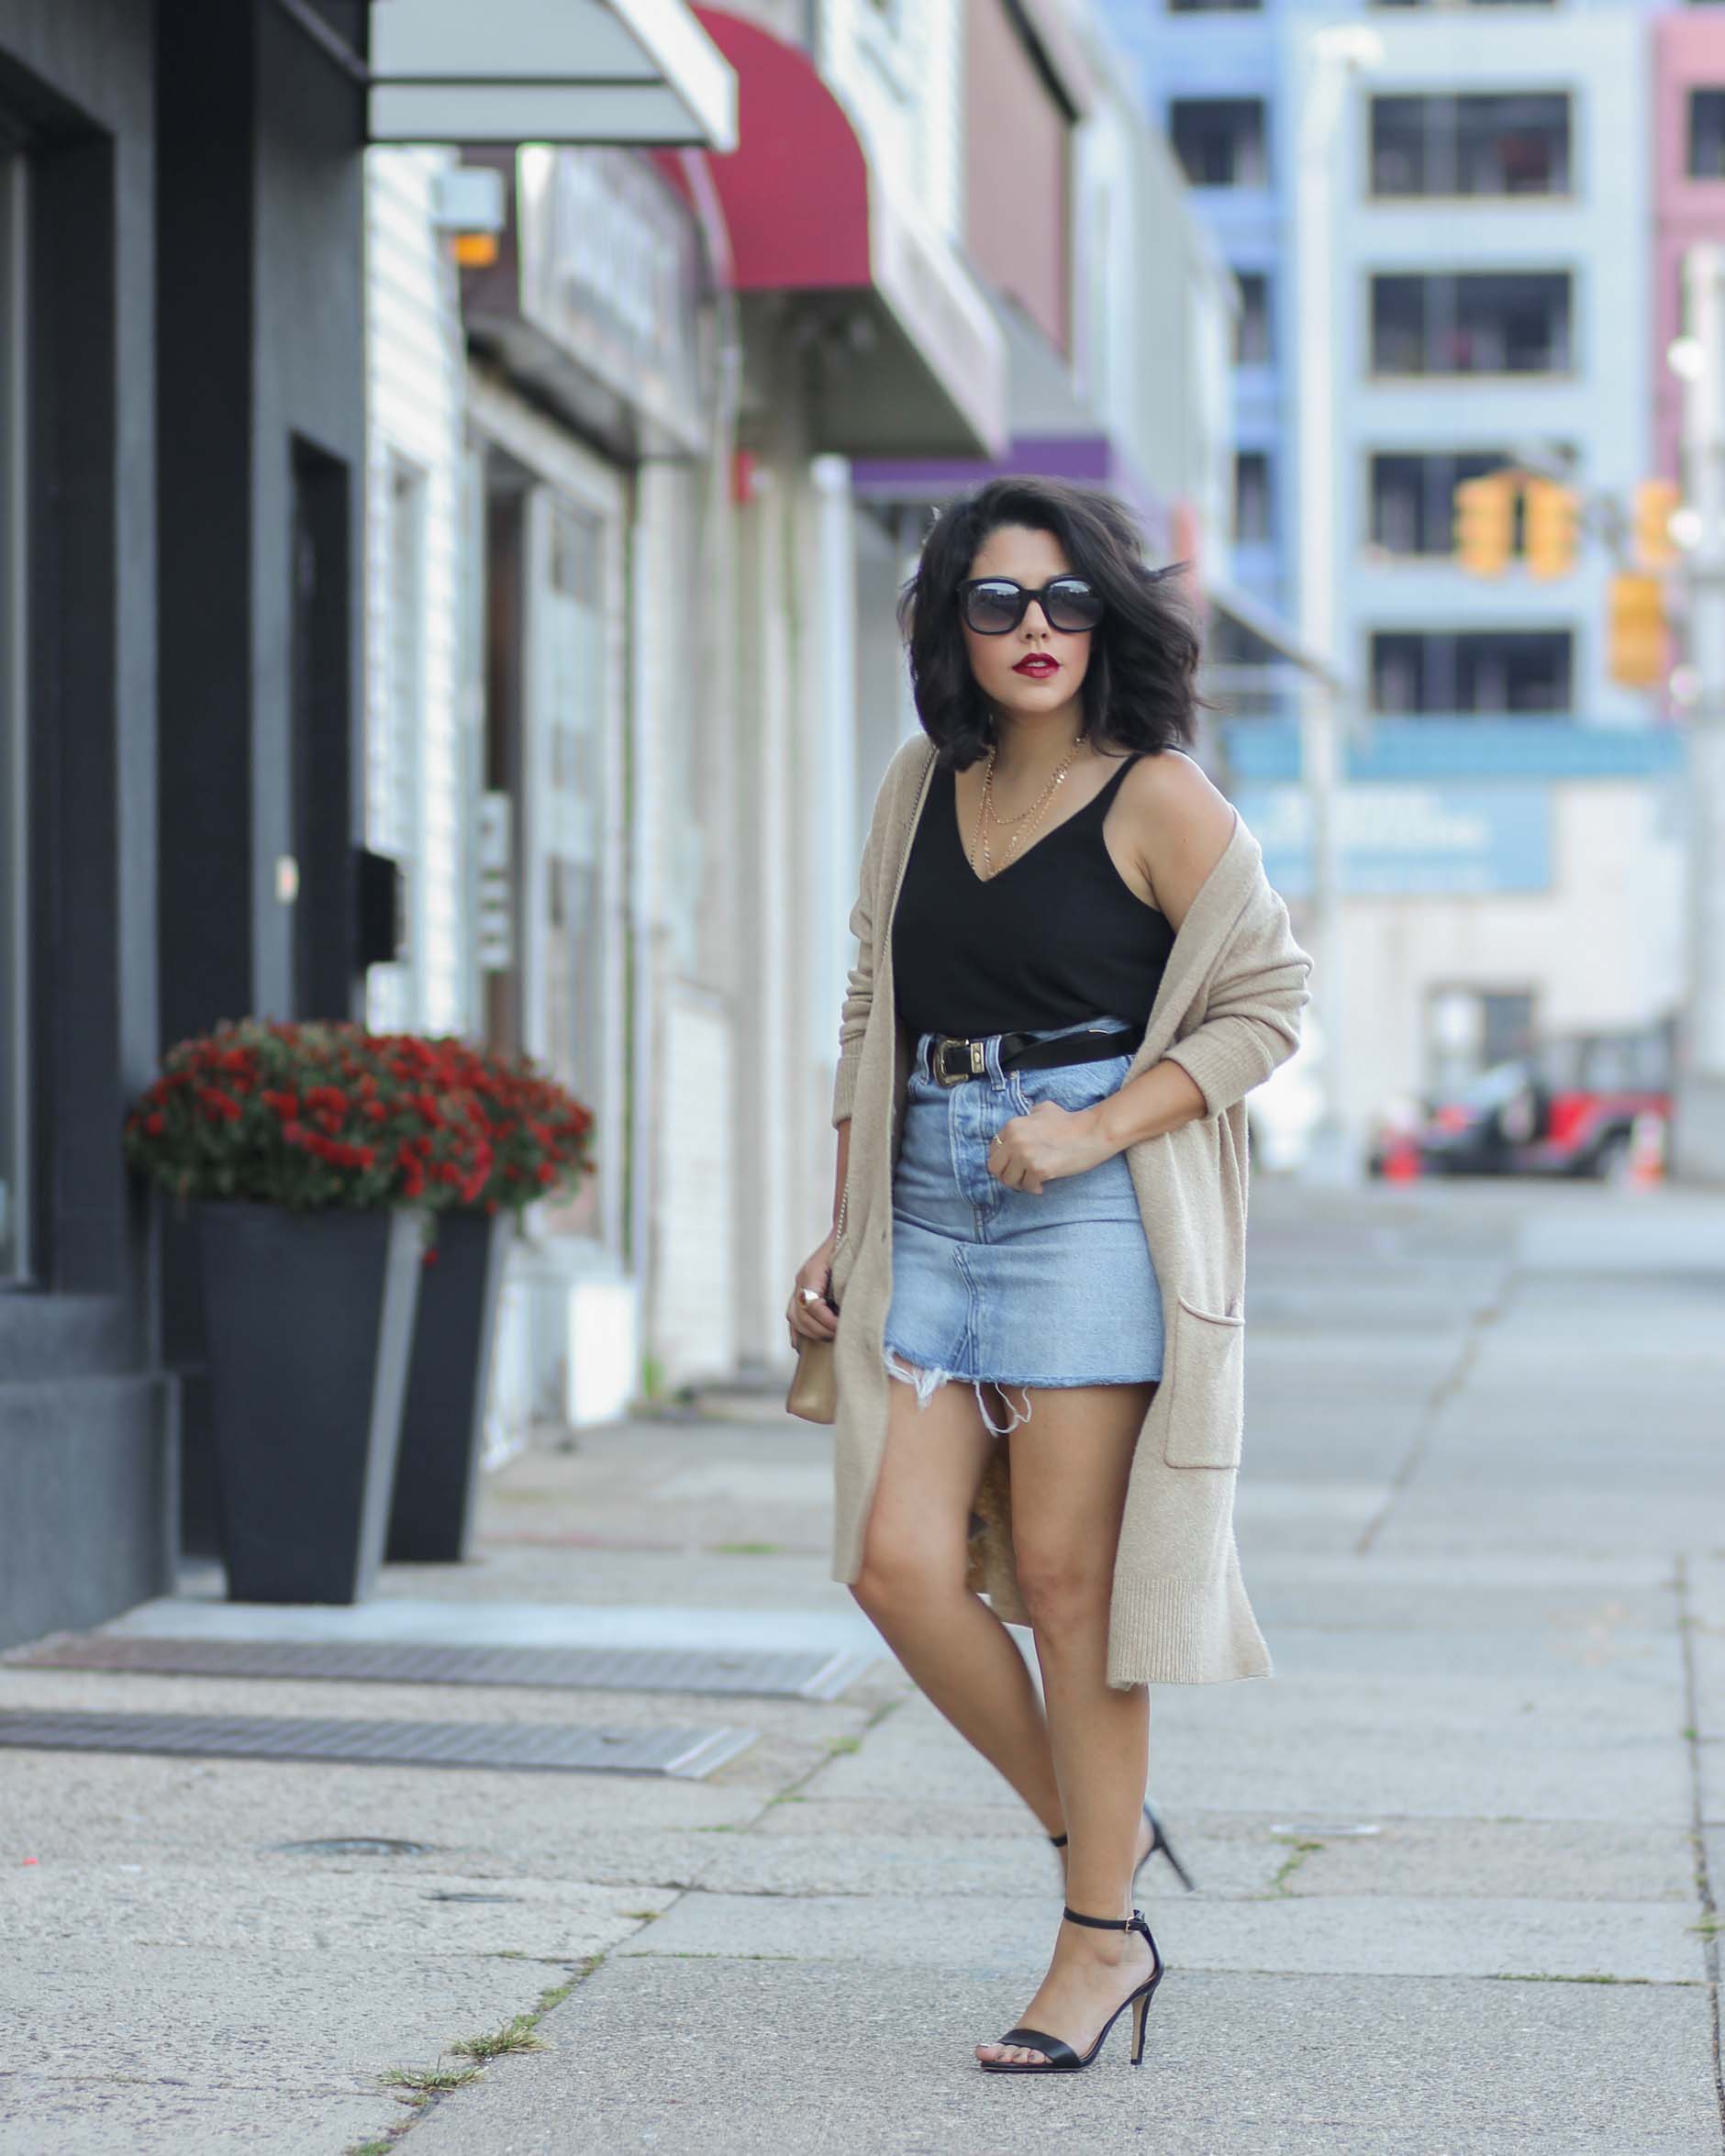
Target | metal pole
(1335,52)
(1699,1132)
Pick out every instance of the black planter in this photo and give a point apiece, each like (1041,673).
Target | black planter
(309,1323)
(443,1422)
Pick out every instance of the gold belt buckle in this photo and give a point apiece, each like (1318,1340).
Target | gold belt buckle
(977,1063)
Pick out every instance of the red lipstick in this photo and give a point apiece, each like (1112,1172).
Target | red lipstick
(1038,665)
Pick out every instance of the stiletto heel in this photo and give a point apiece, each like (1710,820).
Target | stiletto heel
(1141,2014)
(1059,2057)
(1159,1844)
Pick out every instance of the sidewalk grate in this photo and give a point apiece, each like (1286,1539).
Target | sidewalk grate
(816,1675)
(689,1754)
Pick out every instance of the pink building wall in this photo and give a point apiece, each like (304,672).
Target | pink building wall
(1016,178)
(1688,53)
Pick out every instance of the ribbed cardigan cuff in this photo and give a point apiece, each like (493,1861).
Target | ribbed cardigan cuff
(844,1087)
(1223,1070)
(1184,1632)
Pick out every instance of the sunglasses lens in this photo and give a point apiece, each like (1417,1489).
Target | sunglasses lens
(1073,605)
(992,608)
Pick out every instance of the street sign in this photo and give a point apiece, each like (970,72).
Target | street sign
(1409,841)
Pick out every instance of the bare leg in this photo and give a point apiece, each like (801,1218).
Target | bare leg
(1070,1465)
(912,1586)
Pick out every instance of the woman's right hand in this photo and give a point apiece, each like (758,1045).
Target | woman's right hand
(816,1319)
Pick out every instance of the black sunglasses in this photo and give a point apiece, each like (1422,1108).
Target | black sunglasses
(994,605)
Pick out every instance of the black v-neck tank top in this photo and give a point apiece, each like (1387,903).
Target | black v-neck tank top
(1056,937)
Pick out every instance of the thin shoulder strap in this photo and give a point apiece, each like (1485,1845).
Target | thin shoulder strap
(1106,793)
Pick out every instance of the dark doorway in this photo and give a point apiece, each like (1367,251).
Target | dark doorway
(327,984)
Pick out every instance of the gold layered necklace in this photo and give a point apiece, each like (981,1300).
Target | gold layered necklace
(1029,818)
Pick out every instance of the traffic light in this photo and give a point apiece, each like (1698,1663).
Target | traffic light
(1551,526)
(1657,502)
(1637,631)
(1484,523)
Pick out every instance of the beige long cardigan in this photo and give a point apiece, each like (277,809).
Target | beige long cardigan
(1228,1011)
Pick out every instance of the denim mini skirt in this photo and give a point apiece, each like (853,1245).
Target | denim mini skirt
(992,1286)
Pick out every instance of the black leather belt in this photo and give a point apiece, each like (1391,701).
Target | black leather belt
(953,1058)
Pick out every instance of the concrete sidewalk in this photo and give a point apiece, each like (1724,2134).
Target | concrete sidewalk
(1454,1859)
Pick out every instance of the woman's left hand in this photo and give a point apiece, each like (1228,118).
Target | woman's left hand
(1048,1143)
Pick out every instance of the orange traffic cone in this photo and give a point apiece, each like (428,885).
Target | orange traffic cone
(1401,1161)
(1647,1150)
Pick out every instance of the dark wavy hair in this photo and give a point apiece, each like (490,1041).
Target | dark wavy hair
(1139,689)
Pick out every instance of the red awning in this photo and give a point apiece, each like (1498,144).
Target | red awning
(795,190)
(926,370)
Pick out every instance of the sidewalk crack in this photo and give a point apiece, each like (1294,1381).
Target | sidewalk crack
(1709,1926)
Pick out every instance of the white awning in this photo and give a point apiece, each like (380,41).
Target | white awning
(628,72)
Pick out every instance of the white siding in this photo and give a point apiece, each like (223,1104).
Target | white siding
(898,70)
(417,780)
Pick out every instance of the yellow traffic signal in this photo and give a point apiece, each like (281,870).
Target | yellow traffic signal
(1637,631)
(1551,526)
(1484,523)
(1657,502)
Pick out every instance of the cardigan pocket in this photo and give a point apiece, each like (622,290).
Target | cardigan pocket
(1206,1407)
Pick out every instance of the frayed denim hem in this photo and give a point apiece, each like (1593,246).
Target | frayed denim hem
(927,1379)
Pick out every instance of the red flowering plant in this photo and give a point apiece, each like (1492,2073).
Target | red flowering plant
(324,1114)
(532,1133)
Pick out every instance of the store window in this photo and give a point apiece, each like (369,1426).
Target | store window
(1470,1031)
(567,807)
(396,716)
(14,942)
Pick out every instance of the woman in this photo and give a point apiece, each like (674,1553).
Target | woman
(1070,971)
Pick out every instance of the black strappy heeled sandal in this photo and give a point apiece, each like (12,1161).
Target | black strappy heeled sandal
(1059,2057)
(1158,1842)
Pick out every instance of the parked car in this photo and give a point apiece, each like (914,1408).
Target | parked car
(1570,1107)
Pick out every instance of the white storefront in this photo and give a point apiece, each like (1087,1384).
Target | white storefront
(542,443)
(1500,884)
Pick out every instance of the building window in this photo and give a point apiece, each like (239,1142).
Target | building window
(13,822)
(1515,143)
(1707,134)
(1252,331)
(1413,498)
(1493,322)
(1251,498)
(1487,673)
(1219,140)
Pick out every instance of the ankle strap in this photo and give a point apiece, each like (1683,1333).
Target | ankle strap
(1103,1923)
